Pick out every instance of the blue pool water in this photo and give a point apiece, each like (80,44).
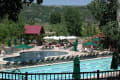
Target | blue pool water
(102,64)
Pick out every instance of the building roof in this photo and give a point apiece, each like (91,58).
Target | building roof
(34,29)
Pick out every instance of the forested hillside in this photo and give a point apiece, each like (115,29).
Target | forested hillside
(40,13)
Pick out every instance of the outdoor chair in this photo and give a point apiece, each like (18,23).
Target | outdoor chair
(82,56)
(85,56)
(42,61)
(37,61)
(79,56)
(52,59)
(62,58)
(99,55)
(72,58)
(65,47)
(57,59)
(23,63)
(31,62)
(104,54)
(95,54)
(48,60)
(92,54)
(8,65)
(15,64)
(49,47)
(43,47)
(46,46)
(52,47)
(108,53)
(65,58)
(68,58)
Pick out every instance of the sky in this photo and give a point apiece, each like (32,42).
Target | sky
(66,2)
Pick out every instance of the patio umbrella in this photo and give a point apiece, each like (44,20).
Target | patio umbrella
(76,41)
(75,45)
(59,41)
(76,69)
(15,42)
(9,43)
(23,46)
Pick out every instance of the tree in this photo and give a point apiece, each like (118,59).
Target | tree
(103,11)
(73,21)
(55,18)
(12,8)
(108,23)
(97,8)
(61,30)
(89,29)
(11,30)
(106,12)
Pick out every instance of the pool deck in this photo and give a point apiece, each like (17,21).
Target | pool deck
(39,48)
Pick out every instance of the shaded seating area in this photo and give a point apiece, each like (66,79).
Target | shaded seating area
(93,43)
(34,34)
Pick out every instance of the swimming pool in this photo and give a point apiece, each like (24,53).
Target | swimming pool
(102,64)
(34,55)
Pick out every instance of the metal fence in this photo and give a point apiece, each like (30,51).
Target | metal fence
(98,75)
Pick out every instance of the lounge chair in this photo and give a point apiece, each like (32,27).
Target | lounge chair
(48,59)
(62,58)
(72,58)
(7,65)
(56,59)
(65,58)
(15,64)
(68,58)
(52,59)
(37,61)
(42,61)
(23,63)
(31,62)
